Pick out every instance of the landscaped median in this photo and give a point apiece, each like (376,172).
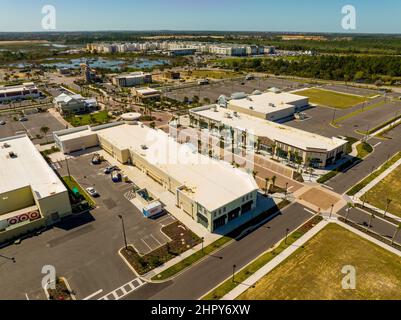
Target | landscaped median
(218,244)
(381,126)
(72,185)
(356,112)
(182,239)
(254,266)
(354,190)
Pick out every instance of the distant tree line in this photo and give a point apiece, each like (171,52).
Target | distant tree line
(327,67)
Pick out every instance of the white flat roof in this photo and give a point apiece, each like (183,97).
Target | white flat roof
(27,169)
(262,128)
(260,103)
(213,183)
(146,91)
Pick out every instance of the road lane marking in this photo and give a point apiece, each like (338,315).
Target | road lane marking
(377,144)
(328,187)
(94,294)
(26,295)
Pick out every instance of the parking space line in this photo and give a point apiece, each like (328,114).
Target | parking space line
(156,240)
(94,294)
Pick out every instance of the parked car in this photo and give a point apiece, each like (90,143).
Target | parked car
(2,122)
(96,159)
(23,119)
(92,192)
(116,176)
(109,170)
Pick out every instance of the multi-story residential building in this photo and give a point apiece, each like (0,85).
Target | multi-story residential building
(27,90)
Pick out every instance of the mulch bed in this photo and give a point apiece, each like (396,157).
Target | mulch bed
(182,240)
(61,291)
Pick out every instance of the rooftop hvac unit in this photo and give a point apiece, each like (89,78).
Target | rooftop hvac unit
(144,147)
(6,145)
(251,108)
(12,154)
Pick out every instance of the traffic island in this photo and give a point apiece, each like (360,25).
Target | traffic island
(61,291)
(182,239)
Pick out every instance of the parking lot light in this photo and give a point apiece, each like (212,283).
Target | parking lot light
(124,234)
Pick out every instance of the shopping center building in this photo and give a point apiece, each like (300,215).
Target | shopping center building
(31,194)
(211,192)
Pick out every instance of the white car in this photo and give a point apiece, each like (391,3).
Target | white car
(2,122)
(92,192)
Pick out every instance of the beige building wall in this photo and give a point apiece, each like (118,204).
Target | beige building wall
(58,203)
(122,155)
(16,200)
(80,143)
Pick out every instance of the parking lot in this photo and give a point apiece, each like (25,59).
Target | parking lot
(214,90)
(144,234)
(318,119)
(352,90)
(31,127)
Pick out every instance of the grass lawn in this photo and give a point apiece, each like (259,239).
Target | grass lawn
(331,98)
(388,188)
(314,271)
(89,119)
(364,149)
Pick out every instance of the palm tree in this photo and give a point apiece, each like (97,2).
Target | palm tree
(267,185)
(273,146)
(45,130)
(274,178)
(396,233)
(349,206)
(387,207)
(372,216)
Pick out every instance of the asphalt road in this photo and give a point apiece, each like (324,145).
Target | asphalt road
(204,276)
(383,150)
(378,225)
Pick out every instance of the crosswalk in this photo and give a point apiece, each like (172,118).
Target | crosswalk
(124,290)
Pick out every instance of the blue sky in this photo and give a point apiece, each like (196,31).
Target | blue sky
(373,16)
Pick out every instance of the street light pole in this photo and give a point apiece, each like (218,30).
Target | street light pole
(286,235)
(286,190)
(8,258)
(331,212)
(203,241)
(125,236)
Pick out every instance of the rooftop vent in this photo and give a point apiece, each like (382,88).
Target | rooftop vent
(12,155)
(251,108)
(144,147)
